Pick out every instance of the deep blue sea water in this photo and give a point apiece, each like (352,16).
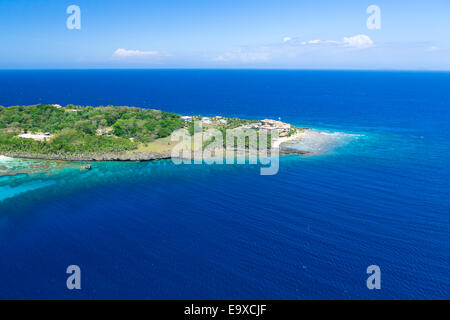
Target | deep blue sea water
(378,194)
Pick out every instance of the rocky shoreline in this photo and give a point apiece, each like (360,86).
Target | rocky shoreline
(145,156)
(141,156)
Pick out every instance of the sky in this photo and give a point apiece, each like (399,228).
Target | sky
(278,34)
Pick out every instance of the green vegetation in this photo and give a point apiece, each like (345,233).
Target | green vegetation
(67,142)
(83,130)
(63,132)
(243,136)
(292,131)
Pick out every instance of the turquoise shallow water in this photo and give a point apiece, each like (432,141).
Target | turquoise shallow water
(377,194)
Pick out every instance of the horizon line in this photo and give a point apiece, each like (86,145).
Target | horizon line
(231,69)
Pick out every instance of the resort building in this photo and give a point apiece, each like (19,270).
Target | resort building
(270,125)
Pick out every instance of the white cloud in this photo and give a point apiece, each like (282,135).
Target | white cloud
(360,41)
(124,53)
(291,48)
(433,48)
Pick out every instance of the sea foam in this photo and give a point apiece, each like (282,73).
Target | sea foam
(319,141)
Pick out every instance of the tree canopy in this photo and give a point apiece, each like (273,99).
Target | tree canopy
(85,130)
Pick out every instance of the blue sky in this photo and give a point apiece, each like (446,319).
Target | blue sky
(293,34)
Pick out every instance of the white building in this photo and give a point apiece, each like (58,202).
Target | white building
(186,118)
(206,120)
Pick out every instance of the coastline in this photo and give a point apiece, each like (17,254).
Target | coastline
(141,156)
(147,156)
(117,134)
(277,143)
(124,158)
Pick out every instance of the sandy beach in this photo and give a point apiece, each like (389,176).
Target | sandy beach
(297,136)
(4,158)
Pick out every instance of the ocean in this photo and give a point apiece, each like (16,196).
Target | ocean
(376,194)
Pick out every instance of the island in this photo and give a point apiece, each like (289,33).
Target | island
(112,133)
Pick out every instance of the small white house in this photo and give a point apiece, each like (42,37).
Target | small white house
(186,118)
(206,120)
